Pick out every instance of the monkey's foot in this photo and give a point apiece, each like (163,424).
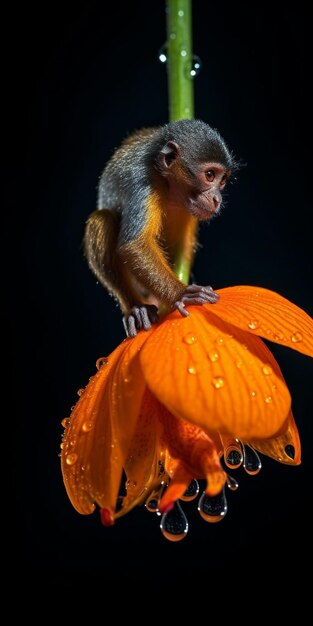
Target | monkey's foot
(195,294)
(141,316)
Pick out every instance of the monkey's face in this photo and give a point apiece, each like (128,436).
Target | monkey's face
(205,196)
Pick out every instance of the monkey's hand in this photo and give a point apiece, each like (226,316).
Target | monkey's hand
(195,294)
(141,316)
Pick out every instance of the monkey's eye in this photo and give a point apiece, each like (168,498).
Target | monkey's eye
(210,175)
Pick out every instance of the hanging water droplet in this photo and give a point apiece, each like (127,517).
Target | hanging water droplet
(233,455)
(192,370)
(296,337)
(71,459)
(196,65)
(66,422)
(267,370)
(152,505)
(231,483)
(213,508)
(80,391)
(87,426)
(251,460)
(174,524)
(253,324)
(191,491)
(190,339)
(290,451)
(162,55)
(214,356)
(103,360)
(218,382)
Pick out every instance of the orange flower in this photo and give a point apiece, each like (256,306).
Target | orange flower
(166,406)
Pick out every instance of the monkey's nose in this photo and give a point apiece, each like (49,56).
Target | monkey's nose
(216,202)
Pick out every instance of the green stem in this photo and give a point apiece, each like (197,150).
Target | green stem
(180,85)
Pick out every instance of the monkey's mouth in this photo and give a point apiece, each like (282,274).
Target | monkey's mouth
(203,208)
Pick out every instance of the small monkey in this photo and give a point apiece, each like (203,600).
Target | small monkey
(153,192)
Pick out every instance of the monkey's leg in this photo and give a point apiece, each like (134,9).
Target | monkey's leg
(101,236)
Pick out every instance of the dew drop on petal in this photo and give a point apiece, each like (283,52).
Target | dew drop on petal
(66,422)
(87,426)
(278,336)
(213,508)
(71,459)
(231,483)
(101,361)
(252,394)
(251,460)
(192,370)
(218,382)
(190,339)
(220,341)
(267,370)
(191,491)
(174,524)
(296,337)
(214,356)
(268,399)
(233,455)
(80,391)
(253,324)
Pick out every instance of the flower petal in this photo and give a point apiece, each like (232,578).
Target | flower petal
(100,429)
(215,375)
(144,453)
(267,314)
(285,448)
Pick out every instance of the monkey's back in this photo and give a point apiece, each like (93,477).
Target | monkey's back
(126,173)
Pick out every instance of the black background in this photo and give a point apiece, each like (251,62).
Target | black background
(82,79)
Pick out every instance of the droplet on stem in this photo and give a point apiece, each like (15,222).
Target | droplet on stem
(100,362)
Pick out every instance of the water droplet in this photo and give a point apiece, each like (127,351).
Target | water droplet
(251,461)
(267,370)
(62,445)
(253,324)
(214,356)
(87,426)
(173,36)
(192,370)
(191,491)
(220,341)
(268,399)
(196,65)
(80,391)
(183,53)
(66,422)
(296,337)
(190,339)
(174,524)
(274,387)
(218,382)
(252,394)
(290,451)
(162,55)
(233,456)
(278,336)
(127,380)
(238,363)
(180,13)
(103,360)
(213,508)
(130,484)
(71,459)
(231,483)
(152,505)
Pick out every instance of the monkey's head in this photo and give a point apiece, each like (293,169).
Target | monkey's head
(197,165)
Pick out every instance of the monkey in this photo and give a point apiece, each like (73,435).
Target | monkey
(156,188)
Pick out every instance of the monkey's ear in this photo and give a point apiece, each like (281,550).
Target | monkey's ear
(168,154)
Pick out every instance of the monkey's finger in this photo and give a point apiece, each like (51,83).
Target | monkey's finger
(179,305)
(135,312)
(145,321)
(130,325)
(152,313)
(199,288)
(200,298)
